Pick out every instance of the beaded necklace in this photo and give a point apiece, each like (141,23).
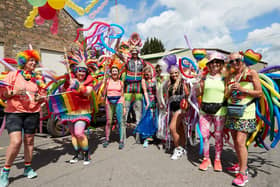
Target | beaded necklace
(37,78)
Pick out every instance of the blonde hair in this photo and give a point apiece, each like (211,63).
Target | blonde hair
(178,81)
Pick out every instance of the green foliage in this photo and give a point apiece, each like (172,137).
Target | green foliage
(152,45)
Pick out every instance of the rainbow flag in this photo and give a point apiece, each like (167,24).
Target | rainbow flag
(63,103)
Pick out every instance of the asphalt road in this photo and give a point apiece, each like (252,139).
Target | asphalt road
(133,166)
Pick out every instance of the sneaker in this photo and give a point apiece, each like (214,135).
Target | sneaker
(74,160)
(4,179)
(218,165)
(206,163)
(146,144)
(105,144)
(234,169)
(86,159)
(178,153)
(240,180)
(121,145)
(30,173)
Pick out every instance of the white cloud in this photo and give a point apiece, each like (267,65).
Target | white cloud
(269,38)
(208,23)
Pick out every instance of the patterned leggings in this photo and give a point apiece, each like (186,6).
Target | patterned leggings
(204,123)
(110,110)
(79,139)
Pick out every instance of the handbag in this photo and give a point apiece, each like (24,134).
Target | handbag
(211,108)
(237,110)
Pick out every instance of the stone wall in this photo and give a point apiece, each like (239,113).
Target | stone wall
(16,37)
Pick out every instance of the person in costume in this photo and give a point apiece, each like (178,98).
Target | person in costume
(242,86)
(114,104)
(213,111)
(24,95)
(177,91)
(147,127)
(79,90)
(133,86)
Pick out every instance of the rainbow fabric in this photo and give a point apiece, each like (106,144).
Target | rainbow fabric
(251,57)
(62,103)
(199,54)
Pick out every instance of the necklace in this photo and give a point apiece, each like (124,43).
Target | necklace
(38,79)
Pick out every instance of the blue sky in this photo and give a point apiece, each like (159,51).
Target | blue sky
(233,25)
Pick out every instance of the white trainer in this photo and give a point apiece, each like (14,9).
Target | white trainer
(178,153)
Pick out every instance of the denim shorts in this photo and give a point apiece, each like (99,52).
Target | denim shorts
(28,122)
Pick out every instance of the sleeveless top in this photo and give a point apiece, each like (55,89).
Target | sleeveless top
(175,99)
(214,92)
(114,88)
(237,97)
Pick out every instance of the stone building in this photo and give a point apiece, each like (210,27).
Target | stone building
(15,37)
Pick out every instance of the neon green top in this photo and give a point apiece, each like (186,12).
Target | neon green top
(240,99)
(214,92)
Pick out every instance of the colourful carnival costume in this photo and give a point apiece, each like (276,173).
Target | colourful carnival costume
(133,87)
(75,105)
(147,127)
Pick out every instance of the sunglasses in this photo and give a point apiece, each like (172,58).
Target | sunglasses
(238,60)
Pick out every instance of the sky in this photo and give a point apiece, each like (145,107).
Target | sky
(231,25)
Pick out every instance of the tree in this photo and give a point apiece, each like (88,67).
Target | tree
(152,45)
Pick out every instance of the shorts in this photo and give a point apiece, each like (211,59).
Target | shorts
(29,122)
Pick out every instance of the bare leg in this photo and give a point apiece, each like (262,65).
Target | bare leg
(14,147)
(28,147)
(242,150)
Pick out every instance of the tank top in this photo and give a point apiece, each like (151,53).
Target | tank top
(237,97)
(214,92)
(114,88)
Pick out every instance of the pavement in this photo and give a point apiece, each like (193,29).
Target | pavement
(134,165)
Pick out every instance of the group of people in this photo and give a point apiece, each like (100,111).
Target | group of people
(222,86)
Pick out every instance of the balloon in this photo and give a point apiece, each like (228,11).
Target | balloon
(251,57)
(90,6)
(29,21)
(37,3)
(170,60)
(75,7)
(47,12)
(199,54)
(39,20)
(57,4)
(202,63)
(93,14)
(267,69)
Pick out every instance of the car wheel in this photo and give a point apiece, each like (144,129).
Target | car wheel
(55,128)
